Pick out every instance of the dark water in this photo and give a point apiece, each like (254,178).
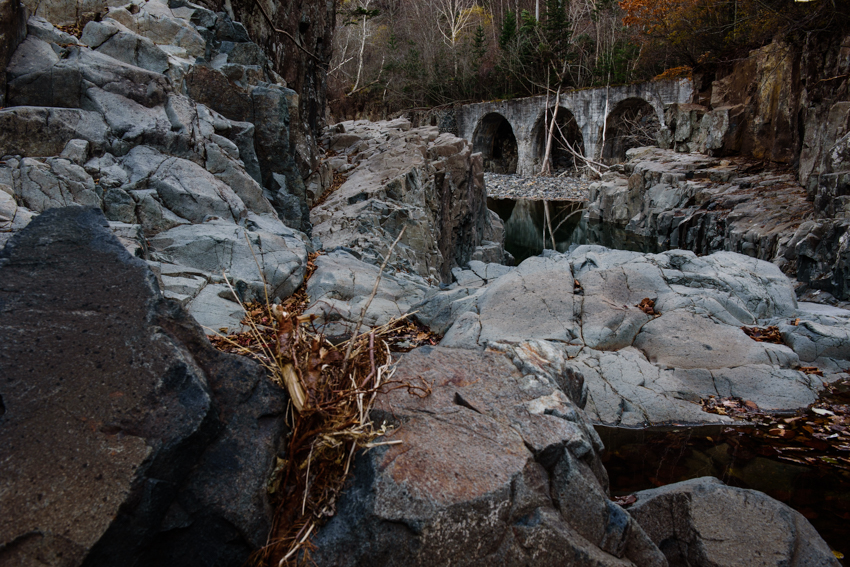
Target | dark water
(638,459)
(610,236)
(525,220)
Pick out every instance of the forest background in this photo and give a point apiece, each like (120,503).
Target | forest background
(393,55)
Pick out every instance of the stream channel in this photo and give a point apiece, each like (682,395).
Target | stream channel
(745,456)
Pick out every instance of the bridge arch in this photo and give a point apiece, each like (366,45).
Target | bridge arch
(567,139)
(494,137)
(632,123)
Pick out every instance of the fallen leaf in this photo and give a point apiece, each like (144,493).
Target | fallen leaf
(821,411)
(625,500)
(647,306)
(764,335)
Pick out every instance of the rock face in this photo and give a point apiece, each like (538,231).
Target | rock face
(429,182)
(493,467)
(128,439)
(794,112)
(13,29)
(661,199)
(683,520)
(576,318)
(302,56)
(108,121)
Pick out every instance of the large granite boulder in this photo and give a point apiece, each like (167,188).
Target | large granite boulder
(702,522)
(430,183)
(494,467)
(579,317)
(128,439)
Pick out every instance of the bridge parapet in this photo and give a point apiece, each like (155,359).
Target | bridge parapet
(589,107)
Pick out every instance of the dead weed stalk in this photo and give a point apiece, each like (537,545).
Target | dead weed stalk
(332,389)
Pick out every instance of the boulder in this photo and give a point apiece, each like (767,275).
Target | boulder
(67,13)
(431,184)
(702,522)
(62,81)
(647,335)
(493,467)
(127,437)
(41,132)
(256,260)
(341,285)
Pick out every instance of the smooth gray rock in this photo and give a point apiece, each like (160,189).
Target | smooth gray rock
(533,301)
(214,308)
(184,187)
(63,83)
(341,285)
(54,182)
(76,151)
(109,38)
(581,311)
(252,259)
(702,522)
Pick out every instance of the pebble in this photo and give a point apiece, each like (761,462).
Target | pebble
(547,188)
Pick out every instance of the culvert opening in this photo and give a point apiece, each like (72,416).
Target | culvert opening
(496,141)
(632,124)
(567,141)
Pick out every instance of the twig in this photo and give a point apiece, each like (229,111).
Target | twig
(371,359)
(297,546)
(307,480)
(566,218)
(549,223)
(257,333)
(368,303)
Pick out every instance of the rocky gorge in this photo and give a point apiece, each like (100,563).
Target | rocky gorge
(158,173)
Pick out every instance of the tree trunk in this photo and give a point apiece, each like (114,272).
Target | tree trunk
(551,134)
(360,61)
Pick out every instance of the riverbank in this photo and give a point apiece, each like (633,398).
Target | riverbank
(537,188)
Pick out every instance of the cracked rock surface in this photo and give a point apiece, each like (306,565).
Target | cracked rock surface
(576,317)
(494,467)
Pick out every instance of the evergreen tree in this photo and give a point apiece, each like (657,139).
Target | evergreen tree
(509,30)
(479,47)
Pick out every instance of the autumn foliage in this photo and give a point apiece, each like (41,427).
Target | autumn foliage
(700,32)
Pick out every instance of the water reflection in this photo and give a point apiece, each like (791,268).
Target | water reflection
(525,221)
(638,459)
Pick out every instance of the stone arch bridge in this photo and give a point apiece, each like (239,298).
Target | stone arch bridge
(512,136)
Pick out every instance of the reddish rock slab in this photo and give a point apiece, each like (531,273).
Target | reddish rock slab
(494,468)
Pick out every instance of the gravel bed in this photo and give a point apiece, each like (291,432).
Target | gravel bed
(500,186)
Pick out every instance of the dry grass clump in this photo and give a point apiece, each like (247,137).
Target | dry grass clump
(332,389)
